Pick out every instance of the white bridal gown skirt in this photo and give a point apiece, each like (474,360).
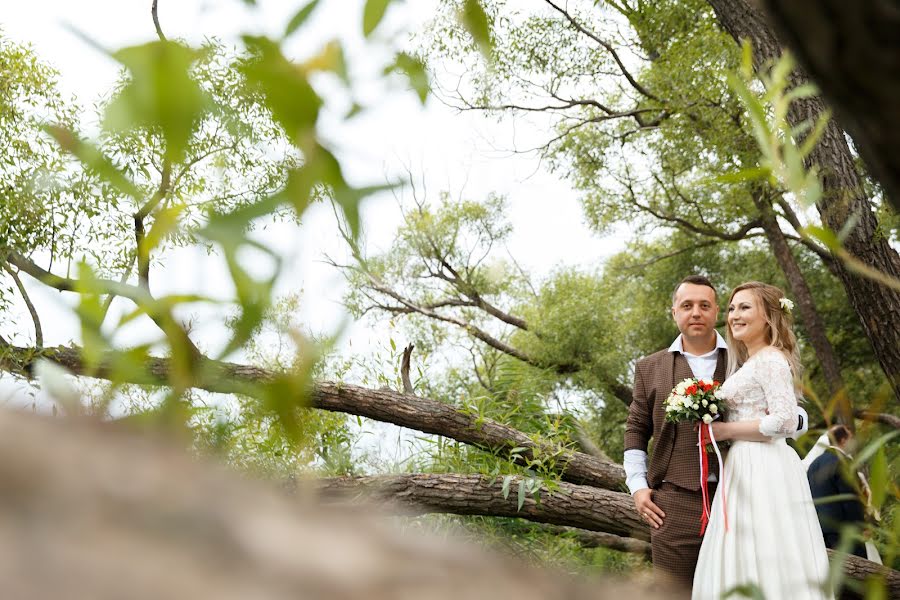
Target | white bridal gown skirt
(773,538)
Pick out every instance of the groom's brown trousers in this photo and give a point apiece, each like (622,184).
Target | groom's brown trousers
(676,543)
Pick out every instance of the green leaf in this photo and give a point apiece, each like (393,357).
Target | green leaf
(744,175)
(521,501)
(878,478)
(93,159)
(160,94)
(330,58)
(747,590)
(810,141)
(475,20)
(747,60)
(863,456)
(505,487)
(415,71)
(165,222)
(300,18)
(289,96)
(373,13)
(824,235)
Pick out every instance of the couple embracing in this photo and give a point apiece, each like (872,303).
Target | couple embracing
(763,528)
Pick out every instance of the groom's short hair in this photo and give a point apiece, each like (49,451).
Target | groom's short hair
(696,280)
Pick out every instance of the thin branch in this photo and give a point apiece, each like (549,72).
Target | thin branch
(470,328)
(668,255)
(143,252)
(601,539)
(158,313)
(404,370)
(685,224)
(159,32)
(38,330)
(124,279)
(637,86)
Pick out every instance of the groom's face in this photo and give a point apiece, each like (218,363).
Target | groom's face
(695,310)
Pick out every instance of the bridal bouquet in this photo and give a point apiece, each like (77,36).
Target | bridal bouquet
(699,401)
(694,400)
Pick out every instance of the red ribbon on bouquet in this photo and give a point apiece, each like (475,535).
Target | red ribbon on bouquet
(705,436)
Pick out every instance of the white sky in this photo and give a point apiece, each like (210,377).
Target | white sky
(450,151)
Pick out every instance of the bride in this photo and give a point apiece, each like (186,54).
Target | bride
(770,536)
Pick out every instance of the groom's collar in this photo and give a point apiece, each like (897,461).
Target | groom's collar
(679,348)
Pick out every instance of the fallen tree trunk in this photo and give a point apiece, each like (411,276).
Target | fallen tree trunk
(571,505)
(104,515)
(587,510)
(431,416)
(421,414)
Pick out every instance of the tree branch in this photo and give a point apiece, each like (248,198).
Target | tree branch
(599,539)
(38,330)
(637,86)
(158,313)
(143,252)
(692,227)
(153,12)
(404,370)
(883,418)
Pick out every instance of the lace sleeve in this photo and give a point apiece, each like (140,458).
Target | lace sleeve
(773,374)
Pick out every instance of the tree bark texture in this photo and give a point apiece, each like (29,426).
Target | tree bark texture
(852,51)
(99,515)
(571,505)
(877,306)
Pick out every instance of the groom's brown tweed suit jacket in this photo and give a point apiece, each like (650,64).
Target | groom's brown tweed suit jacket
(673,470)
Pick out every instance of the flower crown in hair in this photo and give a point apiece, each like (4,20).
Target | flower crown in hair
(786,305)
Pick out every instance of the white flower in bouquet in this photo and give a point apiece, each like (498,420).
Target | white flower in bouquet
(704,403)
(713,409)
(707,419)
(718,394)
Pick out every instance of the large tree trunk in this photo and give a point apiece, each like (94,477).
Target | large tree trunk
(572,505)
(93,515)
(877,306)
(806,305)
(852,51)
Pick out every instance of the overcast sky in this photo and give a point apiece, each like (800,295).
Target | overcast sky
(449,151)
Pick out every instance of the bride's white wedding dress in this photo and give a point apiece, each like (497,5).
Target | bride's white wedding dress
(773,538)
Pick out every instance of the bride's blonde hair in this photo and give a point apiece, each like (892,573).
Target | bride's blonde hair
(779,333)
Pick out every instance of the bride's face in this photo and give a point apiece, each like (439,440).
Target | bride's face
(746,319)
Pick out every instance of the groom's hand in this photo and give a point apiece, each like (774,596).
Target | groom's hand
(648,511)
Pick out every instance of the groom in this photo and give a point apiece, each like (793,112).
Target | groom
(667,490)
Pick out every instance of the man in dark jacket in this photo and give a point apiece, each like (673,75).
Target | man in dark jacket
(826,478)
